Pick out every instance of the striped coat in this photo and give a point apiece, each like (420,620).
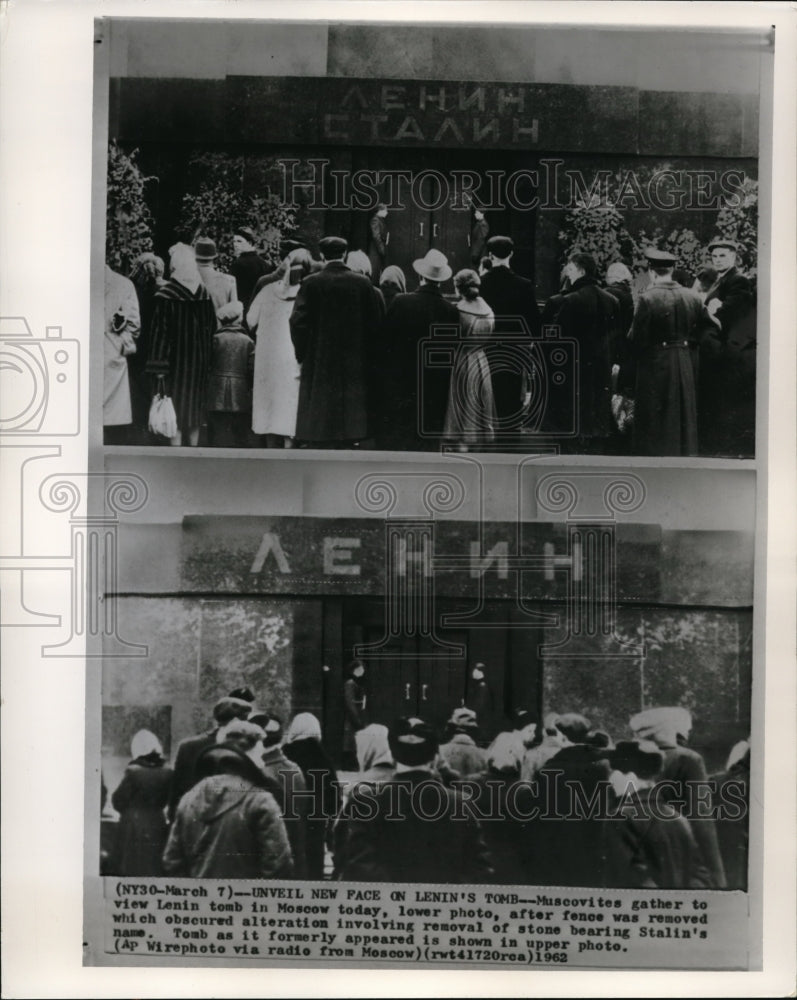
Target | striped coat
(183,325)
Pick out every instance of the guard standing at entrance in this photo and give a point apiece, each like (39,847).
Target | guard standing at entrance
(378,239)
(355,703)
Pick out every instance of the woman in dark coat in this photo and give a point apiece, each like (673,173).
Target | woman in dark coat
(355,701)
(140,799)
(303,746)
(182,330)
(147,277)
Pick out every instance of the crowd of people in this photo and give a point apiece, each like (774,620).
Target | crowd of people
(338,351)
(545,802)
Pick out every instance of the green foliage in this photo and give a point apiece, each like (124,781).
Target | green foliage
(217,203)
(597,228)
(128,221)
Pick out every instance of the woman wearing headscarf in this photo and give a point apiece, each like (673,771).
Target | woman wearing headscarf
(392,283)
(275,396)
(141,799)
(183,326)
(358,262)
(302,745)
(471,415)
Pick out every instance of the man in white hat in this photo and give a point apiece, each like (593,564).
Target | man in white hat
(411,320)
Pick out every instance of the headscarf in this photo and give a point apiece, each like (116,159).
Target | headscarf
(617,273)
(662,725)
(182,264)
(358,262)
(393,275)
(502,753)
(147,267)
(304,726)
(372,746)
(145,743)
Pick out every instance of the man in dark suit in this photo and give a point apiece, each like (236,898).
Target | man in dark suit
(237,705)
(509,296)
(728,359)
(378,238)
(410,320)
(335,327)
(478,237)
(248,265)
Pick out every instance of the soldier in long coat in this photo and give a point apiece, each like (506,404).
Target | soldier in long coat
(378,238)
(669,323)
(335,328)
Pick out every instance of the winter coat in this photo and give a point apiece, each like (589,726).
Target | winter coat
(220,286)
(228,827)
(140,799)
(275,395)
(471,416)
(335,327)
(669,323)
(415,393)
(355,701)
(287,781)
(184,774)
(121,302)
(503,806)
(321,781)
(589,315)
(231,366)
(462,756)
(246,269)
(478,241)
(377,246)
(408,846)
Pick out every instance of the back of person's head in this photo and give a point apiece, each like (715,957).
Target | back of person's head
(574,726)
(230,313)
(412,742)
(372,746)
(241,734)
(502,755)
(146,744)
(224,759)
(300,264)
(230,708)
(271,725)
(586,262)
(468,283)
(617,273)
(304,726)
(393,277)
(359,262)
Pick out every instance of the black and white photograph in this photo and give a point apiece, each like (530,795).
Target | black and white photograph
(419,581)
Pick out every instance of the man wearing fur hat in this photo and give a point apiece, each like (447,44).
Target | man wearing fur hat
(410,321)
(232,362)
(685,773)
(411,828)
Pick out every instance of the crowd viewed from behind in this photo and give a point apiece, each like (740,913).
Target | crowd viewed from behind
(344,350)
(551,802)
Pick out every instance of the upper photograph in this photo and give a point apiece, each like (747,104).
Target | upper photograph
(476,238)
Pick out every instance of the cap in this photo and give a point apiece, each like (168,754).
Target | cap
(244,693)
(271,726)
(720,241)
(500,246)
(333,246)
(465,718)
(412,741)
(231,312)
(205,250)
(522,717)
(661,257)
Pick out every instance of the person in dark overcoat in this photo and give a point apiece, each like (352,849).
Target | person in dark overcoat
(229,824)
(479,232)
(248,265)
(669,323)
(414,406)
(182,329)
(411,828)
(224,711)
(335,328)
(230,380)
(509,296)
(303,746)
(665,838)
(684,773)
(355,706)
(378,238)
(588,315)
(147,277)
(731,801)
(140,799)
(728,359)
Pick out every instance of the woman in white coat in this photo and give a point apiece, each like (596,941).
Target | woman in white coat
(122,326)
(275,393)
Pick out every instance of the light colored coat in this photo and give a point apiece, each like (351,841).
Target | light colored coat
(120,299)
(222,287)
(275,395)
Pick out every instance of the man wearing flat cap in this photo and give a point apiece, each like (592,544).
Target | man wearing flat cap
(335,328)
(509,296)
(248,265)
(669,324)
(728,358)
(411,827)
(410,320)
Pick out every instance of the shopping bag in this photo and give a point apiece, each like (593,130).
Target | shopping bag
(162,418)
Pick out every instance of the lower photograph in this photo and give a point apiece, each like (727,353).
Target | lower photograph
(440,722)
